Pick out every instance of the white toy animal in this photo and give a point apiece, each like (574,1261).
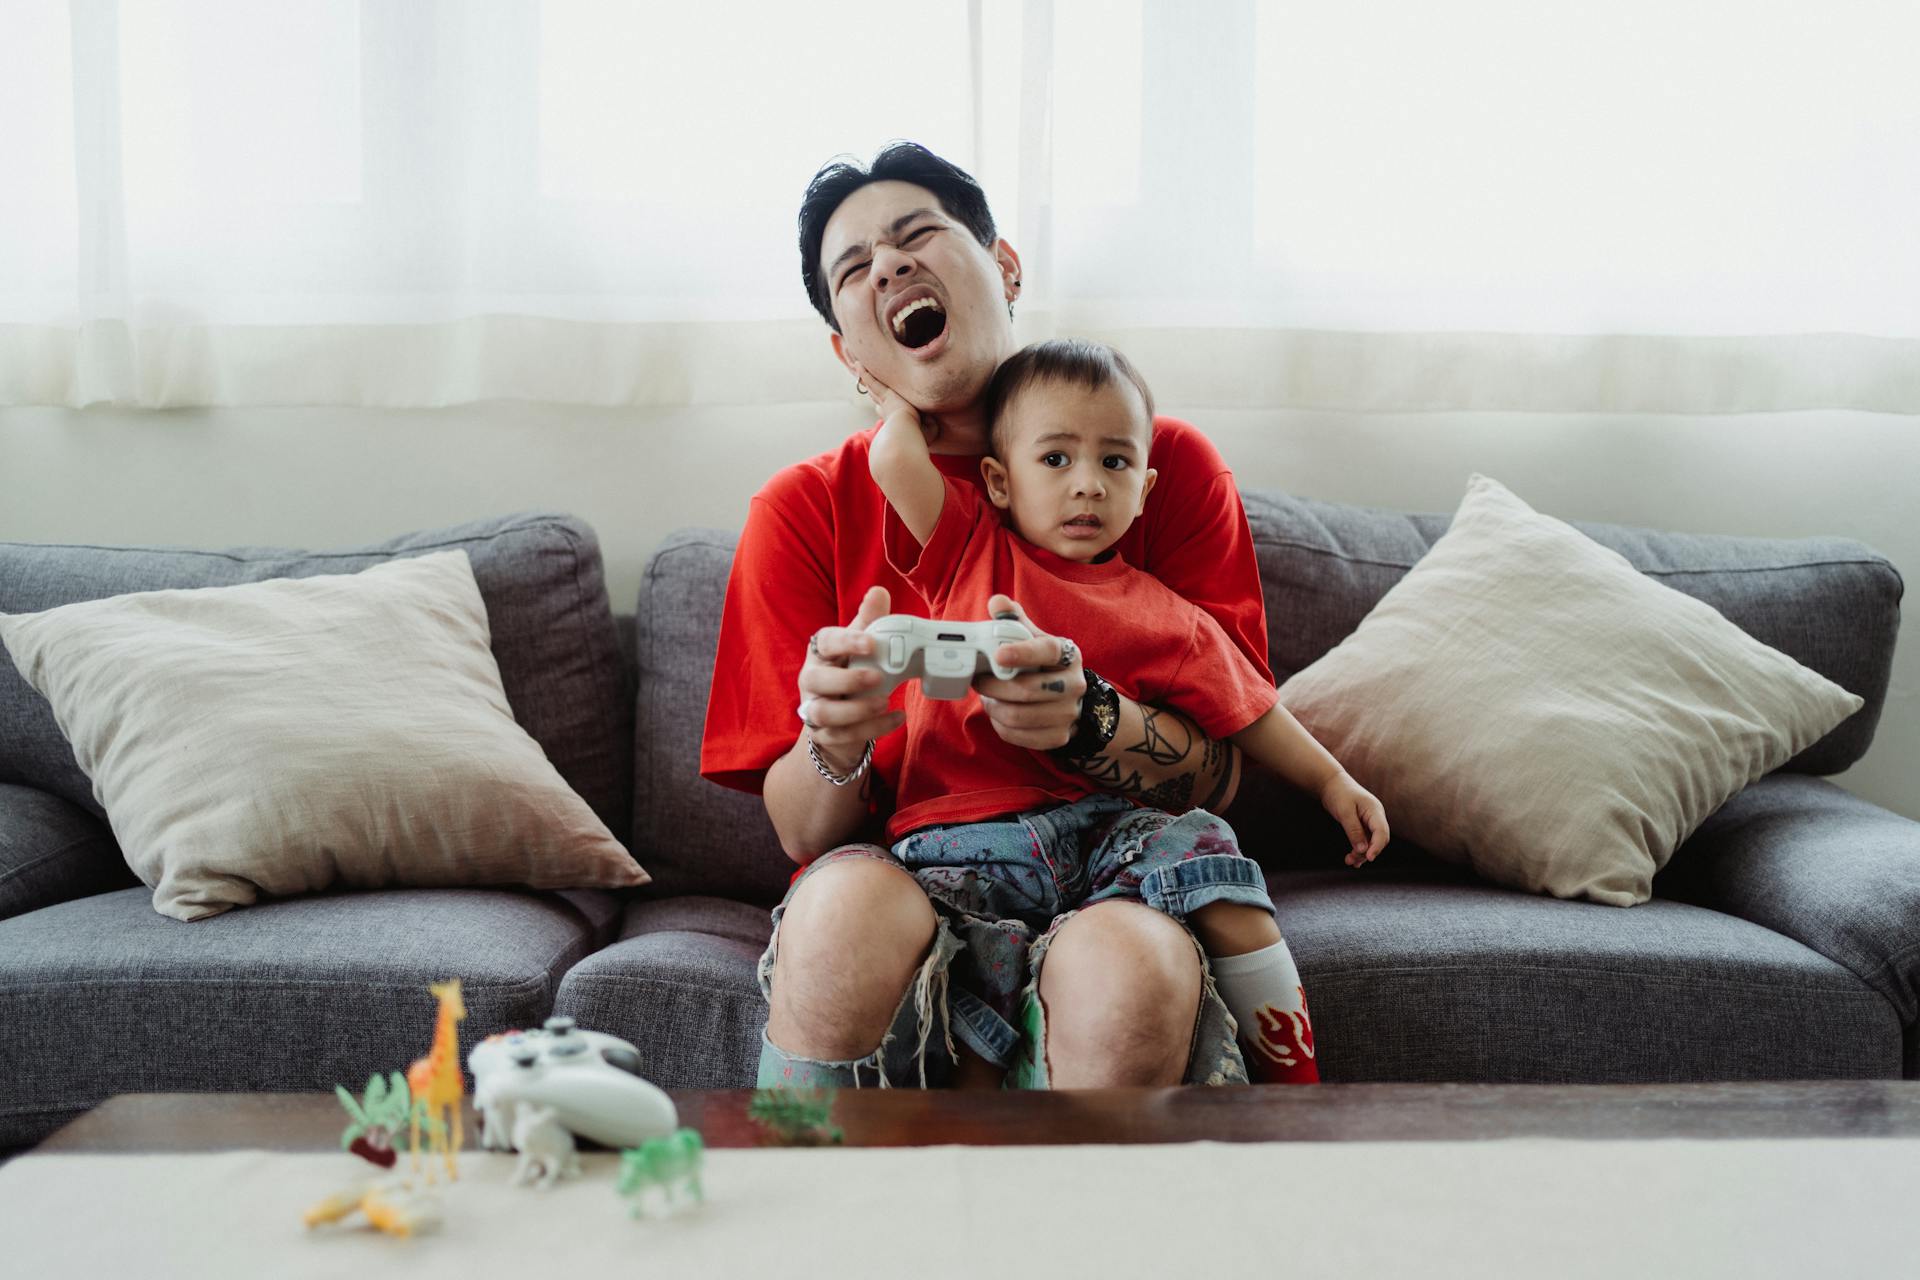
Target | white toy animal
(496,1119)
(544,1145)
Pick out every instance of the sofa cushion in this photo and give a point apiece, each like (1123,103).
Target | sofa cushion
(1526,702)
(551,632)
(1414,971)
(280,737)
(680,985)
(1831,604)
(101,996)
(1806,859)
(52,850)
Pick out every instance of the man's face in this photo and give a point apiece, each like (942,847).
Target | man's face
(919,300)
(1072,470)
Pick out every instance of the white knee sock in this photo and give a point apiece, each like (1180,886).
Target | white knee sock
(1262,990)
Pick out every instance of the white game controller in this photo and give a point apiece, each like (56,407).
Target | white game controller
(943,656)
(590,1079)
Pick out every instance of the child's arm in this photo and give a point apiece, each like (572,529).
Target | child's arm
(901,465)
(1283,744)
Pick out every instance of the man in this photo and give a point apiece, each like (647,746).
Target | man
(902,261)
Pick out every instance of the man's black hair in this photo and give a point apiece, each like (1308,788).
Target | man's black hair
(953,186)
(1092,365)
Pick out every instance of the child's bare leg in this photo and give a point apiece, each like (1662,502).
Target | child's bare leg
(1233,928)
(1254,972)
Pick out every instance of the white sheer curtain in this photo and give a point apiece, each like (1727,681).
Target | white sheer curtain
(1659,205)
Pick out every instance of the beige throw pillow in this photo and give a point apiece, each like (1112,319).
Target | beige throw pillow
(1526,702)
(282,736)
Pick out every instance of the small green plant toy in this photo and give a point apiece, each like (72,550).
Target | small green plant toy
(379,1118)
(795,1117)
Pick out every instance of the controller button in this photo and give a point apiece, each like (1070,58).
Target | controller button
(622,1057)
(896,651)
(560,1026)
(571,1046)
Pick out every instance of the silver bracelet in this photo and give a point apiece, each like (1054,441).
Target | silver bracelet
(840,780)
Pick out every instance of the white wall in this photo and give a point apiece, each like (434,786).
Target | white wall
(330,477)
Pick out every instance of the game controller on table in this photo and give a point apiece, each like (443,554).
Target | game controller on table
(943,655)
(589,1080)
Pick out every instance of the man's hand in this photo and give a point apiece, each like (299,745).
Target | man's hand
(840,704)
(1038,708)
(1356,810)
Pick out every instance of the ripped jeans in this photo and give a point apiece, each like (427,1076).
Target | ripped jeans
(1001,890)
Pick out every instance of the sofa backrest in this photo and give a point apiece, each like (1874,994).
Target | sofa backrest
(551,627)
(1830,603)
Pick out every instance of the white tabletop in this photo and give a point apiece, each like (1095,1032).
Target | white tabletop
(1524,1207)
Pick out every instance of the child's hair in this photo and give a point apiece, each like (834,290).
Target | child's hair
(1093,365)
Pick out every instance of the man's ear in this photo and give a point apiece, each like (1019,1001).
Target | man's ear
(1146,488)
(996,476)
(840,352)
(1009,263)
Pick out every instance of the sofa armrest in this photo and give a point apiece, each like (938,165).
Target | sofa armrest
(53,851)
(1838,874)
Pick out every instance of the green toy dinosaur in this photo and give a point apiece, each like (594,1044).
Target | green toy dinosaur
(671,1163)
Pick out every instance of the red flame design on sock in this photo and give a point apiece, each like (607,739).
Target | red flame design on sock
(1282,1043)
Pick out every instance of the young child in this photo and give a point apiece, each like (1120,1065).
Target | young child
(1071,425)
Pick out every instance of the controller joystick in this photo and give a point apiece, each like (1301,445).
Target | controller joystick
(944,656)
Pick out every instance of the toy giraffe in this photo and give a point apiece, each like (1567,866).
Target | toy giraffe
(436,1083)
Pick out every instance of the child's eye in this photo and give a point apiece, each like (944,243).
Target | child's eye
(1054,459)
(918,234)
(852,271)
(1115,462)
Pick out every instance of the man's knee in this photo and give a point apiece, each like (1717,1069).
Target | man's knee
(851,938)
(1120,984)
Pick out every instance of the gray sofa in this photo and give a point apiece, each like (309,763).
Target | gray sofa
(1783,941)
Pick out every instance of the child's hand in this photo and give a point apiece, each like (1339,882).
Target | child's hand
(894,408)
(1363,817)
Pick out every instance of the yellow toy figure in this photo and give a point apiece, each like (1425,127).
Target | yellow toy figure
(392,1205)
(436,1083)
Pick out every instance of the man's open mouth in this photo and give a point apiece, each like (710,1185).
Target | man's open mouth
(919,322)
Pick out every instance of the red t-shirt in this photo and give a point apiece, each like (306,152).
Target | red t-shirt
(813,544)
(1147,642)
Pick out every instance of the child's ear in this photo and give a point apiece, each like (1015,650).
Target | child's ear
(1146,488)
(998,492)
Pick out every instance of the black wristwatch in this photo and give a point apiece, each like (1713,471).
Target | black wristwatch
(1099,719)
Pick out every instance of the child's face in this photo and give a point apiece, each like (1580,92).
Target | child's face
(1073,467)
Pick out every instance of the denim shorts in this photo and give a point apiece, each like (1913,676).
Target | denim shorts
(1001,890)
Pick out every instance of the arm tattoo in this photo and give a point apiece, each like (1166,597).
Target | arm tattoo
(1219,755)
(1175,795)
(1108,775)
(1157,746)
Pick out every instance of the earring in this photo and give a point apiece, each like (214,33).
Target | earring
(1016,288)
(861,385)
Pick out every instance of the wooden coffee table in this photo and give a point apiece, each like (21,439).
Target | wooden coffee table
(912,1117)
